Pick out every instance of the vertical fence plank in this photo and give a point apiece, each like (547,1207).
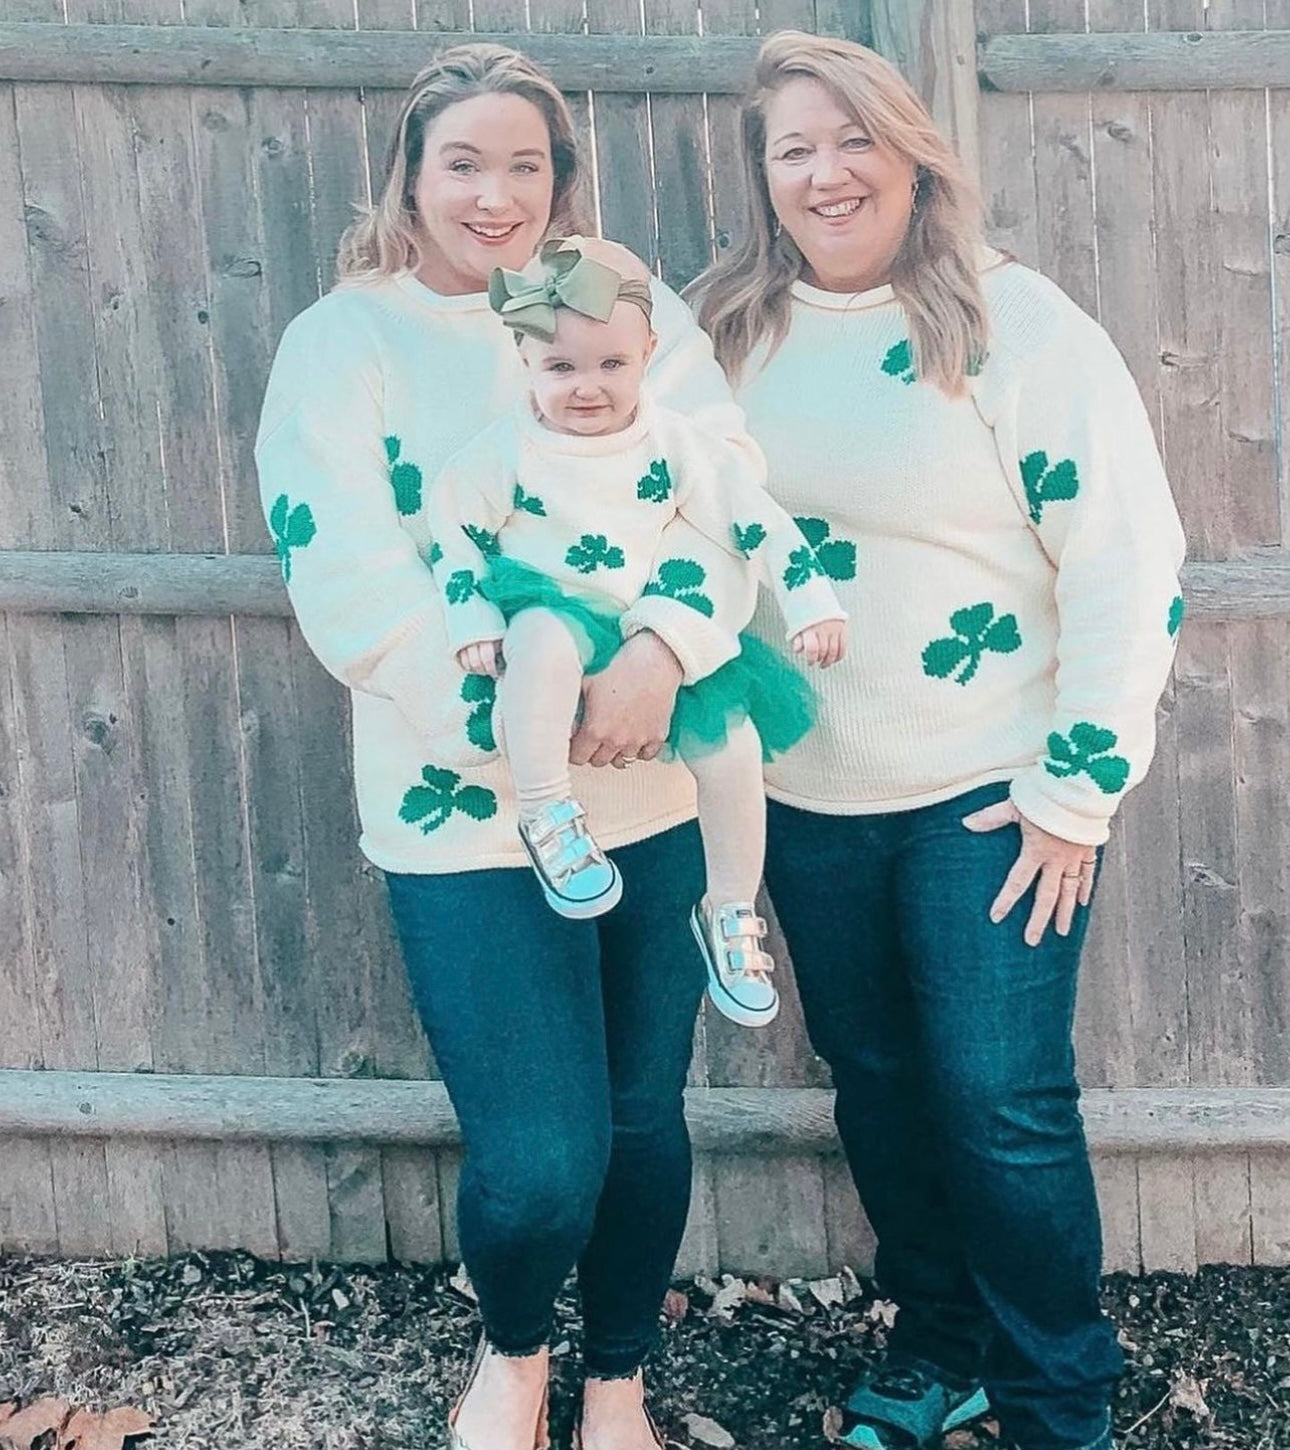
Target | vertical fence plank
(680,160)
(725,161)
(624,183)
(1223,1208)
(1278,18)
(770,1213)
(1007,150)
(1117,1198)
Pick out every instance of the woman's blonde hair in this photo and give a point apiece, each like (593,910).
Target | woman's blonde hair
(383,241)
(746,298)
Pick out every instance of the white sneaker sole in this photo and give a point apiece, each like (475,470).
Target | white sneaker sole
(721,999)
(578,910)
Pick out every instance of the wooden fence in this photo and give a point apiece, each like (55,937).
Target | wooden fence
(206,1035)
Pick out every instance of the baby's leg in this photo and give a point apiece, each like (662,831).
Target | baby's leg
(538,700)
(732,816)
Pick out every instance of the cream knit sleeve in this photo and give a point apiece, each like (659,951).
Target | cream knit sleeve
(1078,447)
(364,599)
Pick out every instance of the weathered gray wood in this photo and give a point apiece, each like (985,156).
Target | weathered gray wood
(1270,1207)
(680,161)
(1278,14)
(623,180)
(1007,157)
(1117,1198)
(54,582)
(770,1215)
(197,1107)
(1221,1189)
(1167,1213)
(934,43)
(376,59)
(1164,61)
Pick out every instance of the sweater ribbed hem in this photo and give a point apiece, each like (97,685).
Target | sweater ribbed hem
(835,807)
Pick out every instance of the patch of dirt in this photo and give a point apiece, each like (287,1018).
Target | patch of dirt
(228,1350)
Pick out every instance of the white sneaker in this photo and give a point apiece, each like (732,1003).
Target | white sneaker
(578,879)
(730,937)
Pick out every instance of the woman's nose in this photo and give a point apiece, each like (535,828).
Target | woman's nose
(494,193)
(829,167)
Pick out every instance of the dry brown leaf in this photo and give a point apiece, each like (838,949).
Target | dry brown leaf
(89,1431)
(827,1291)
(882,1311)
(676,1305)
(788,1301)
(1186,1393)
(708,1432)
(832,1426)
(756,1292)
(22,1427)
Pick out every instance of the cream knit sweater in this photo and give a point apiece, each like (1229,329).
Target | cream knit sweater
(372,390)
(1009,560)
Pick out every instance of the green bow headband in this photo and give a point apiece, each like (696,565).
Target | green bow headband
(568,279)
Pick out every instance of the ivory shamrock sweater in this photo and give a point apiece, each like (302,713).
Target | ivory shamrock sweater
(372,390)
(594,514)
(1009,559)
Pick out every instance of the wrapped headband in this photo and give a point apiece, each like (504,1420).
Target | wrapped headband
(568,279)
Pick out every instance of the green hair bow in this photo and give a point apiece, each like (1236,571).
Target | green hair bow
(568,279)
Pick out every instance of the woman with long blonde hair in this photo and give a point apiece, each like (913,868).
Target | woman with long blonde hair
(969,457)
(563,1044)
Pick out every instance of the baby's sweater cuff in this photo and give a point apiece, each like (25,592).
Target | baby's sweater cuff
(1066,815)
(700,645)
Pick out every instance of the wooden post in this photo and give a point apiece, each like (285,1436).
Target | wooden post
(934,43)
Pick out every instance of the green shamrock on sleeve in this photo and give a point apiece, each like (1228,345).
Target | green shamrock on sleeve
(592,552)
(460,586)
(405,478)
(435,555)
(292,528)
(748,538)
(976,630)
(656,486)
(802,566)
(899,362)
(480,693)
(837,556)
(682,580)
(485,540)
(1087,749)
(528,503)
(1045,485)
(431,805)
(1176,611)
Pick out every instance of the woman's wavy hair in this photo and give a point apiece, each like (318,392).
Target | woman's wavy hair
(382,242)
(745,299)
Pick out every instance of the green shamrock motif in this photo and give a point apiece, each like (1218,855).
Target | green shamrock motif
(802,566)
(836,556)
(1176,611)
(529,503)
(592,552)
(1087,748)
(480,693)
(432,804)
(436,553)
(899,362)
(483,539)
(293,528)
(748,538)
(656,486)
(405,478)
(460,586)
(976,630)
(1046,485)
(682,580)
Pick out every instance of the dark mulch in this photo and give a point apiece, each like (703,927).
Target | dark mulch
(230,1351)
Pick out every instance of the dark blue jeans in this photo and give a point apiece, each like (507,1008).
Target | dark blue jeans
(950,1045)
(564,1048)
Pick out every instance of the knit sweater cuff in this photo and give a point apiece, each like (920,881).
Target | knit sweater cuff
(700,645)
(1045,803)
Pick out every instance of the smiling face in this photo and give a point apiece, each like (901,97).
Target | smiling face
(844,199)
(588,381)
(483,193)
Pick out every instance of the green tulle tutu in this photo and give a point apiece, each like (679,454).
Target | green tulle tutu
(760,684)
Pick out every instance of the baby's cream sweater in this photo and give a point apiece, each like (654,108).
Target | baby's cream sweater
(1009,559)
(597,515)
(372,390)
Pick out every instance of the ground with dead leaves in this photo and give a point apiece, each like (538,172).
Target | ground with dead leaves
(224,1350)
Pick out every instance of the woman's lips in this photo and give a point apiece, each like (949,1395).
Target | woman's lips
(495,235)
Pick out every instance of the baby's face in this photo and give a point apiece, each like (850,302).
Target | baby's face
(588,381)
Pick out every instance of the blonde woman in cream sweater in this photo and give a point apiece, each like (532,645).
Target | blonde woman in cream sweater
(970,458)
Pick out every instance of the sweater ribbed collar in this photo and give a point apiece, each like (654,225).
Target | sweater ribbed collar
(441,301)
(987,258)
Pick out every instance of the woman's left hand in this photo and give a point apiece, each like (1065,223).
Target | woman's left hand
(627,707)
(1065,870)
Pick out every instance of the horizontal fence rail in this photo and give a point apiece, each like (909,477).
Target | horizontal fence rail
(167,55)
(48,582)
(1161,61)
(722,1120)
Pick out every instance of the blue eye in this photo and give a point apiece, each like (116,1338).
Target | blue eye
(461,168)
(858,143)
(612,364)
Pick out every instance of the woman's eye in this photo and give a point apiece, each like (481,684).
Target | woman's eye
(528,168)
(794,153)
(857,143)
(462,168)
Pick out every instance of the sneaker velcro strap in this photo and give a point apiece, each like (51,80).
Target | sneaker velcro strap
(555,818)
(739,960)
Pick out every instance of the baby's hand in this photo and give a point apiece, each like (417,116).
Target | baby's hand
(484,658)
(822,644)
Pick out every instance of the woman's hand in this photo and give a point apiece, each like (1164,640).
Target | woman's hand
(1065,870)
(484,658)
(627,707)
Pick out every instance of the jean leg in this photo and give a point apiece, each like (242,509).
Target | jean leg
(510,997)
(830,878)
(652,981)
(995,1018)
